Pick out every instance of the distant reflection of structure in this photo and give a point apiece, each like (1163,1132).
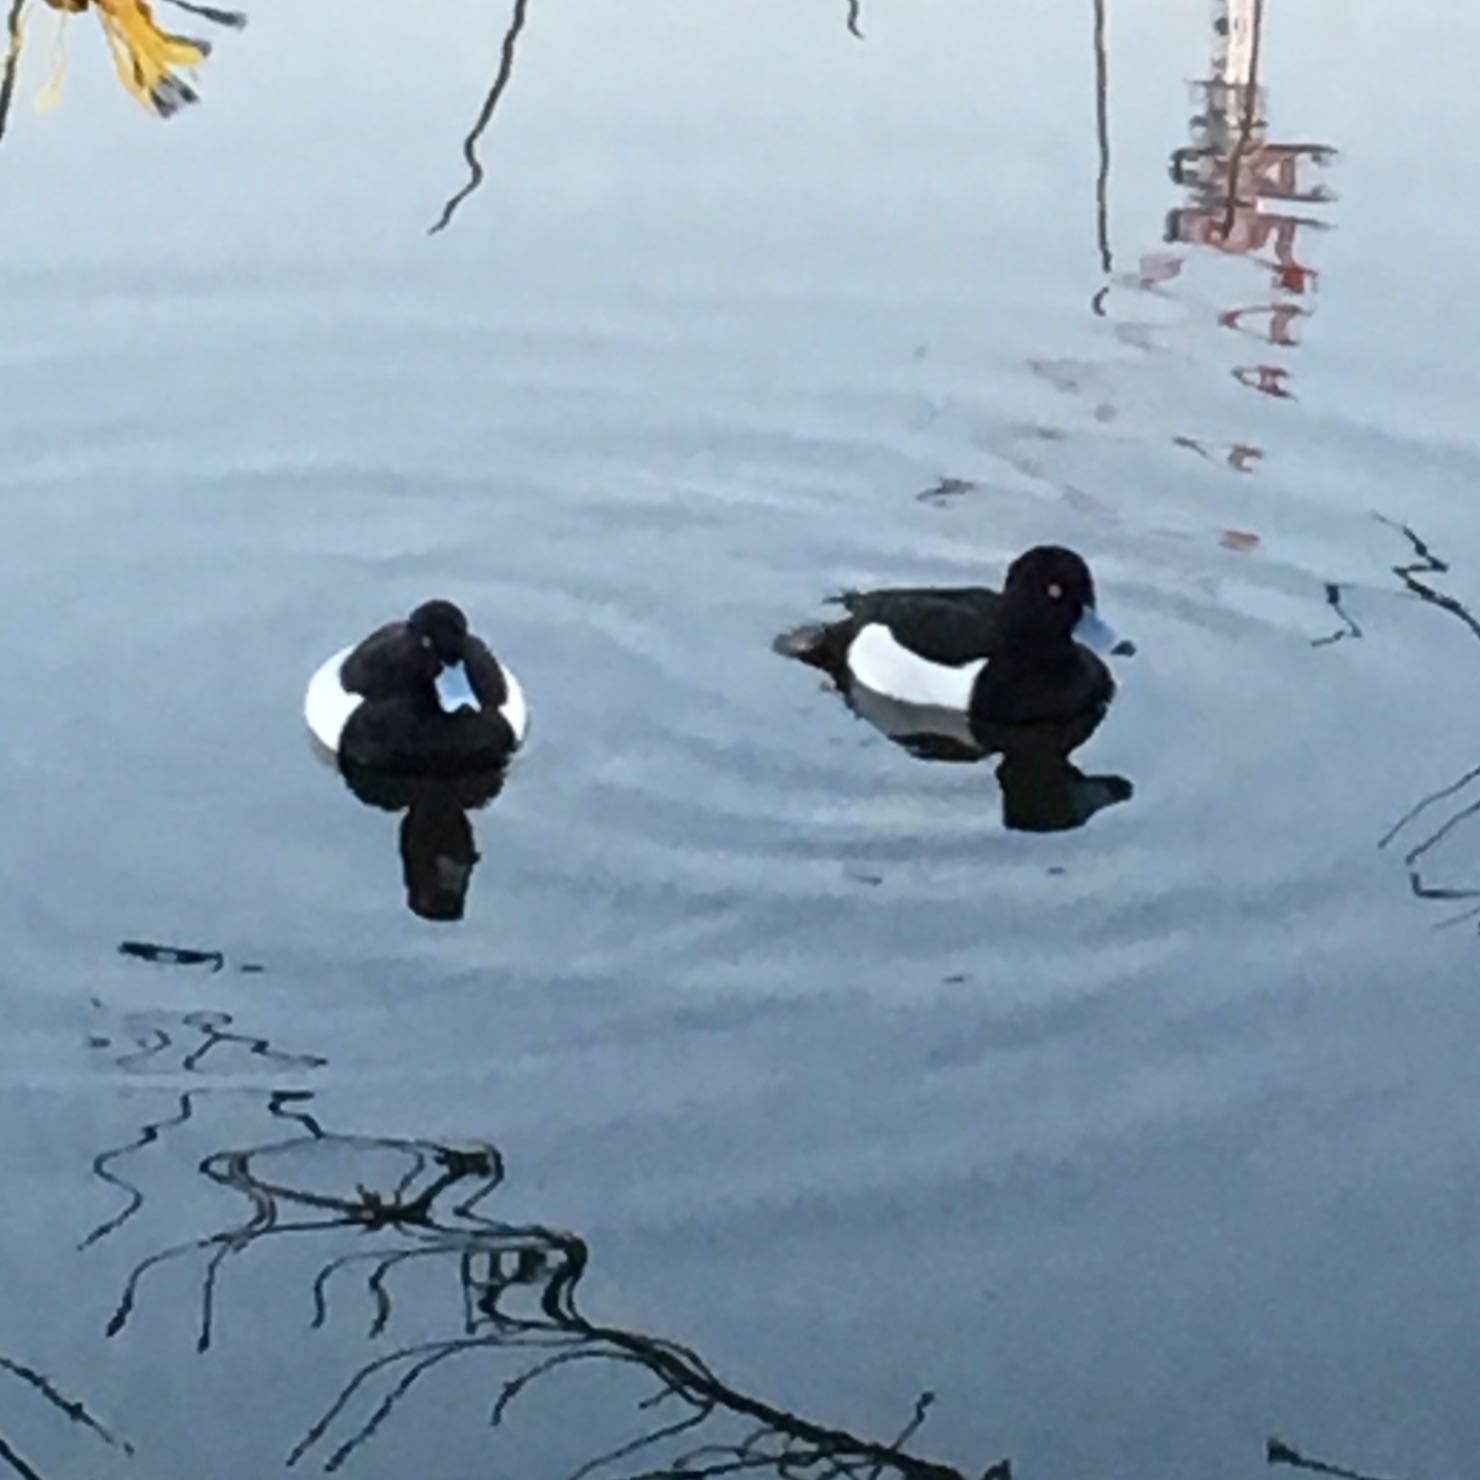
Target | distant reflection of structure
(1241,187)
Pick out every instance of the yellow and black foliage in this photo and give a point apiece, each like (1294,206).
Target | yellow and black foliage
(153,63)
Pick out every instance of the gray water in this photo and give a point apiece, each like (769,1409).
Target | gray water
(1134,1143)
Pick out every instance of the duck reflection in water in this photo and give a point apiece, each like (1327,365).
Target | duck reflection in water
(438,850)
(1042,791)
(420,717)
(959,674)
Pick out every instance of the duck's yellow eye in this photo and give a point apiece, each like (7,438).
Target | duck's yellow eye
(1055,590)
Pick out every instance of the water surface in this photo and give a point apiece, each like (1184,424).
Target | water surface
(1133,1143)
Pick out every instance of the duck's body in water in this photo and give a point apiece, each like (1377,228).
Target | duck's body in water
(1019,656)
(423,696)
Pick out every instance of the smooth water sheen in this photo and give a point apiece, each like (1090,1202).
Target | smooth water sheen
(1134,1143)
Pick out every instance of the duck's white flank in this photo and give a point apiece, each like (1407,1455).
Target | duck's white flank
(328,705)
(876,660)
(514,709)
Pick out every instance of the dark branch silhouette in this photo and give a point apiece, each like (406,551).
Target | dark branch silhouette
(1280,1453)
(1349,627)
(516,1293)
(233,18)
(855,17)
(12,61)
(485,117)
(1102,137)
(144,1044)
(1424,563)
(72,1409)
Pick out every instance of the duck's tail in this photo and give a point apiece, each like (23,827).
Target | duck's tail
(822,644)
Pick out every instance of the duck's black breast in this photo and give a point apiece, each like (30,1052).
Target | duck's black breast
(401,727)
(942,626)
(406,737)
(1063,684)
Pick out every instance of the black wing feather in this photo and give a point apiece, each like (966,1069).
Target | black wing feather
(388,664)
(943,626)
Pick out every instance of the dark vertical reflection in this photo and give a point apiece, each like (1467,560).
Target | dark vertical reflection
(1102,137)
(485,116)
(12,61)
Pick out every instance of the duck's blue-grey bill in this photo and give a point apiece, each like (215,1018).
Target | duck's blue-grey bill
(454,692)
(1100,637)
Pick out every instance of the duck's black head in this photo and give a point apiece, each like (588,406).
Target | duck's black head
(1048,589)
(441,626)
(1048,599)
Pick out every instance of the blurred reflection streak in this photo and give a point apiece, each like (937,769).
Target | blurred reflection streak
(1426,562)
(171,955)
(515,1290)
(1277,1452)
(72,1408)
(485,117)
(855,13)
(12,61)
(1102,138)
(162,955)
(146,1042)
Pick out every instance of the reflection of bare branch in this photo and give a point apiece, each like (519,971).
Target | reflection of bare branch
(148,1133)
(517,1285)
(233,18)
(855,15)
(1351,629)
(10,1458)
(1102,135)
(12,61)
(145,950)
(1428,801)
(72,1408)
(1426,562)
(151,1040)
(485,117)
(1279,1453)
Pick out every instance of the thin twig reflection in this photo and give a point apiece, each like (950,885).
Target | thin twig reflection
(485,117)
(71,1408)
(12,61)
(515,1288)
(1426,562)
(1278,1452)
